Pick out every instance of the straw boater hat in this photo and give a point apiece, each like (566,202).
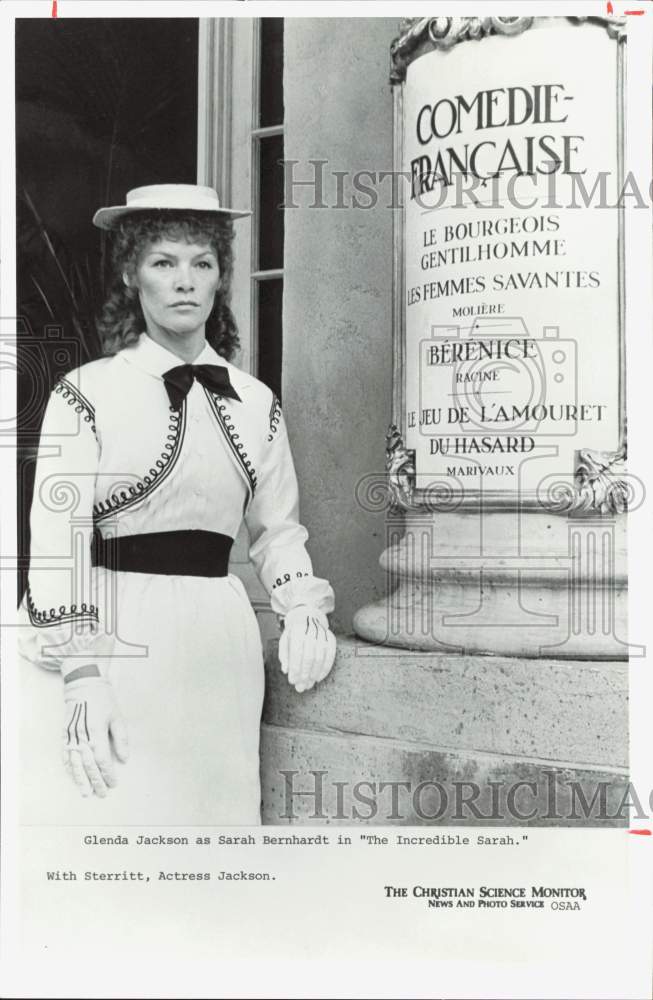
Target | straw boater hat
(155,197)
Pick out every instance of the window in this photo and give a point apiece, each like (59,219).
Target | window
(267,152)
(240,152)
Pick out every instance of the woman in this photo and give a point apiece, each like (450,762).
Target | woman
(162,447)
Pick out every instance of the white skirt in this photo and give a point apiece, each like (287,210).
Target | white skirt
(187,672)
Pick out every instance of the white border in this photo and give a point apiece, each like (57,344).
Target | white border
(383,977)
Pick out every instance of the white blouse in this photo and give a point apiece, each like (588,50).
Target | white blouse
(115,456)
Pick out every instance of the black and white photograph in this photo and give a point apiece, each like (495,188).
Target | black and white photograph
(325,339)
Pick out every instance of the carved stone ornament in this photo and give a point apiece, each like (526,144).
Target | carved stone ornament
(599,487)
(418,34)
(615,26)
(400,467)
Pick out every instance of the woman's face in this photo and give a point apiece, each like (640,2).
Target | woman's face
(177,282)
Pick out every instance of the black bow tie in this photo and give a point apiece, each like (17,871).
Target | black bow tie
(179,380)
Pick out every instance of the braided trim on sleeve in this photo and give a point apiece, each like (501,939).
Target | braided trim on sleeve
(74,397)
(65,613)
(275,417)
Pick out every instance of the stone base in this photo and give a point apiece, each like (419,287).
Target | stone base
(530,585)
(446,725)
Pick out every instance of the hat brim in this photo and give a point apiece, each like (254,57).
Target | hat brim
(104,218)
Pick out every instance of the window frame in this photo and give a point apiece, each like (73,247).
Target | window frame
(229,79)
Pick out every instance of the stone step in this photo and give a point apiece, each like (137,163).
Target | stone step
(317,778)
(567,712)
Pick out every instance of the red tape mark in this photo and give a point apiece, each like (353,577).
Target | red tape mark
(641,833)
(634,12)
(609,7)
(54,8)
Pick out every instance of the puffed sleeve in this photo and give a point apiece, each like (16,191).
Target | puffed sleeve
(278,540)
(60,611)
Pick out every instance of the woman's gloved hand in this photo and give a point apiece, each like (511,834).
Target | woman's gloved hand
(307,648)
(92,722)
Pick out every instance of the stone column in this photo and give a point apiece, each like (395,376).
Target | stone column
(522,552)
(525,585)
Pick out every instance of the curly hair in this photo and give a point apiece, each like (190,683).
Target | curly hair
(121,320)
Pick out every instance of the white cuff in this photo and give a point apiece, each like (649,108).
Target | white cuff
(302,612)
(309,591)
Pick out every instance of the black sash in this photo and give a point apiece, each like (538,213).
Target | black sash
(171,553)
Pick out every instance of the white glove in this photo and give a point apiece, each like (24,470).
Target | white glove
(307,648)
(91,716)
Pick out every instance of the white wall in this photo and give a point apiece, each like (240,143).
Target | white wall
(337,299)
